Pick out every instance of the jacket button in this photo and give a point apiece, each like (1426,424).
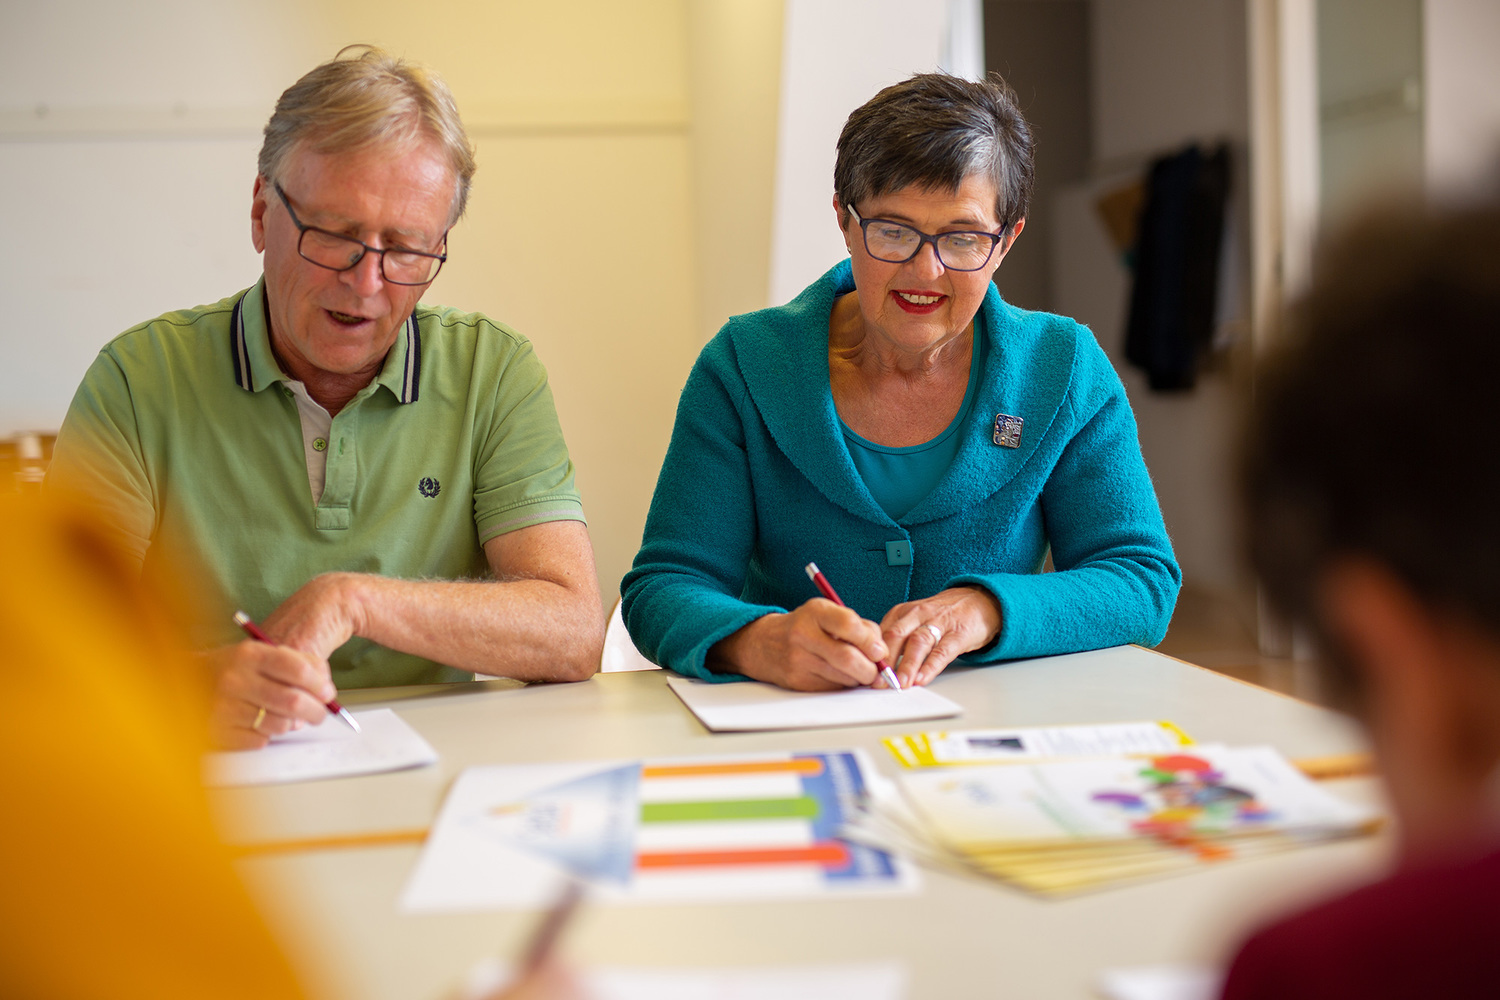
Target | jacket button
(898,553)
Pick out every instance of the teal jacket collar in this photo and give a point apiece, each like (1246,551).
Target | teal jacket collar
(783,355)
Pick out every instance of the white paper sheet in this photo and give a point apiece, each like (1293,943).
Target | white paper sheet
(880,981)
(752,707)
(328,750)
(1161,982)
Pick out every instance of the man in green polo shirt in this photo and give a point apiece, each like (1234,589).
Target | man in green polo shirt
(384,485)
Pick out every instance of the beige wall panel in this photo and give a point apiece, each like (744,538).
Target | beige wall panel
(581,244)
(735,72)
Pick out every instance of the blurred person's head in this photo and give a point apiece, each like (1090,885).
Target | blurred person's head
(1371,478)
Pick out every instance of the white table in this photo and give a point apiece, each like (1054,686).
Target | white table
(958,938)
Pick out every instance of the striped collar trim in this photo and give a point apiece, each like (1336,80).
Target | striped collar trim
(406,385)
(411,368)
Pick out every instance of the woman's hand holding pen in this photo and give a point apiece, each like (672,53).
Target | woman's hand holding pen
(818,646)
(929,634)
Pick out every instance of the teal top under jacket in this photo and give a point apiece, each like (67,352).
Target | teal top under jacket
(757,482)
(900,478)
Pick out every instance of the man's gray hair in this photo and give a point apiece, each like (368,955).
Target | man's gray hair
(933,131)
(366,97)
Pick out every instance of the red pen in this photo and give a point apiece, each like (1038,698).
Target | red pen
(253,631)
(826,589)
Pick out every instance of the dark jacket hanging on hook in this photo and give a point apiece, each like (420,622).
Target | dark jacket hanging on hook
(1177,266)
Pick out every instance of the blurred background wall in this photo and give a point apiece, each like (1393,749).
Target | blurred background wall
(704,130)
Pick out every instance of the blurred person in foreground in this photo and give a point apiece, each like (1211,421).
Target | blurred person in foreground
(1372,484)
(383,484)
(115,882)
(925,442)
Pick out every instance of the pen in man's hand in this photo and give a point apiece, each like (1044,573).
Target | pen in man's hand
(544,938)
(821,582)
(253,631)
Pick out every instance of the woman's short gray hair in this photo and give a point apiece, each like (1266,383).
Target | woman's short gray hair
(934,130)
(365,97)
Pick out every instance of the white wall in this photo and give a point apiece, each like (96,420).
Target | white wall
(1165,72)
(1462,113)
(129,194)
(836,55)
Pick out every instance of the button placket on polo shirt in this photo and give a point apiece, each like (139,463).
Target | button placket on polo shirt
(341,471)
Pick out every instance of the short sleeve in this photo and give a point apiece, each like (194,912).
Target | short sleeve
(99,461)
(522,473)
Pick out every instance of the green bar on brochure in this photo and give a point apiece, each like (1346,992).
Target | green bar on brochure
(803,807)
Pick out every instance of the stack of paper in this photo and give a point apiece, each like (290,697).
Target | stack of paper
(1055,827)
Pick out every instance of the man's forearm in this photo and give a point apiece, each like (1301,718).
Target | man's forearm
(532,630)
(527,629)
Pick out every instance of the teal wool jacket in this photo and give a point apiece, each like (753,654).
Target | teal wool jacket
(757,482)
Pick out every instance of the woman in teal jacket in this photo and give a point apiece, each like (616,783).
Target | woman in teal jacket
(917,437)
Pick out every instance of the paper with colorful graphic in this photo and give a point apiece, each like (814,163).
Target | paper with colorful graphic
(722,828)
(1061,826)
(998,746)
(1206,790)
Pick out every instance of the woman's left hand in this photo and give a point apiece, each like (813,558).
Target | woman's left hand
(929,634)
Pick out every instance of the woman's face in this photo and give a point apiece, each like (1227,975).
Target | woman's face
(920,305)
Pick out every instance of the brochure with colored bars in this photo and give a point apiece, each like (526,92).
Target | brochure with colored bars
(1060,826)
(694,829)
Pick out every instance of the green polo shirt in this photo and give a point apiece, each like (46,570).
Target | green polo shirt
(186,435)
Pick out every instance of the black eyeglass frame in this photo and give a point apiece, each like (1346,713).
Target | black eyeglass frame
(303,229)
(925,238)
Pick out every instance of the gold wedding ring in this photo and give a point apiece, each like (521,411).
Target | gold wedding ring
(259,718)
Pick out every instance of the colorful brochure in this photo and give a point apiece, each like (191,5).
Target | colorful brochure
(693,829)
(999,746)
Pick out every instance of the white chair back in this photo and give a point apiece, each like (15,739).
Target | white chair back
(619,652)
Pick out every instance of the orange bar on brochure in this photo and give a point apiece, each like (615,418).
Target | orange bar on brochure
(830,854)
(798,765)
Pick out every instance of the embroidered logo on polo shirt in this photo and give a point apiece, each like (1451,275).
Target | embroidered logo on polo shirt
(429,487)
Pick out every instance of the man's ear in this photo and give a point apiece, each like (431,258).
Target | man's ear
(1387,634)
(258,206)
(1418,702)
(1370,613)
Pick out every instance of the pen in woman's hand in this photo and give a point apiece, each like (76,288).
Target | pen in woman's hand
(826,589)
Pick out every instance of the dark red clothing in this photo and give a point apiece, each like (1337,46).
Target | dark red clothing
(1426,933)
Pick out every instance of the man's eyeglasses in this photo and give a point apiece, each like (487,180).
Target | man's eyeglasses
(398,265)
(897,243)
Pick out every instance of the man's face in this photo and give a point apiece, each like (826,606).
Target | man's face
(344,322)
